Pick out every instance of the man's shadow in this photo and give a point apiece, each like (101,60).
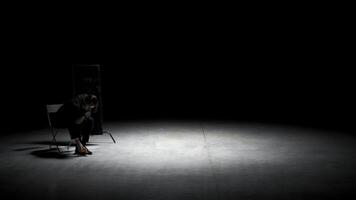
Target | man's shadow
(53,153)
(46,152)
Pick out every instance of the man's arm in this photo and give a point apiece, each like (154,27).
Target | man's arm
(79,120)
(82,118)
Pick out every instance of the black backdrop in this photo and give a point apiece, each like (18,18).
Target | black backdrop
(284,65)
(274,90)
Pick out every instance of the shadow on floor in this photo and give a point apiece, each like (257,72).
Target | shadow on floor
(53,153)
(27,148)
(60,143)
(45,152)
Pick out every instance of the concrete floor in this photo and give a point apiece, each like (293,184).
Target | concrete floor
(183,160)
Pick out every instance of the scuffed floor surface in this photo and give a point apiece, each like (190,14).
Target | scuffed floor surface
(176,160)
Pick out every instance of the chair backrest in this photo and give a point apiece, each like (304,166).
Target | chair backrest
(52,108)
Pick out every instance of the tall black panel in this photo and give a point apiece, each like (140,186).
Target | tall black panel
(87,79)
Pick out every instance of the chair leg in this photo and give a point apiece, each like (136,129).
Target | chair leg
(50,144)
(70,144)
(54,134)
(107,132)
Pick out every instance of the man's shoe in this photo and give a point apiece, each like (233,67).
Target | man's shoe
(87,151)
(81,152)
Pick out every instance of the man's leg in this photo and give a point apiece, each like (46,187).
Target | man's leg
(74,131)
(86,130)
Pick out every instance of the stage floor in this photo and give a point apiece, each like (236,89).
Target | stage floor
(178,160)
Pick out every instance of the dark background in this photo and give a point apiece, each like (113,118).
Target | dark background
(275,88)
(291,70)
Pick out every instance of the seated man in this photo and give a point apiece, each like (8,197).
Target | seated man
(76,116)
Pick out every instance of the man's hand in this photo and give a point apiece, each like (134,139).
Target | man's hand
(87,114)
(80,120)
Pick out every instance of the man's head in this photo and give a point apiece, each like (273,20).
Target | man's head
(92,101)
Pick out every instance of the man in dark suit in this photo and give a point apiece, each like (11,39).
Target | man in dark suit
(76,116)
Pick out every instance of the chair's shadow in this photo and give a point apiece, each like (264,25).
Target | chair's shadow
(60,143)
(53,153)
(46,152)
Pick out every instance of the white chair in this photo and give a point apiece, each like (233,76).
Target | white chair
(52,123)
